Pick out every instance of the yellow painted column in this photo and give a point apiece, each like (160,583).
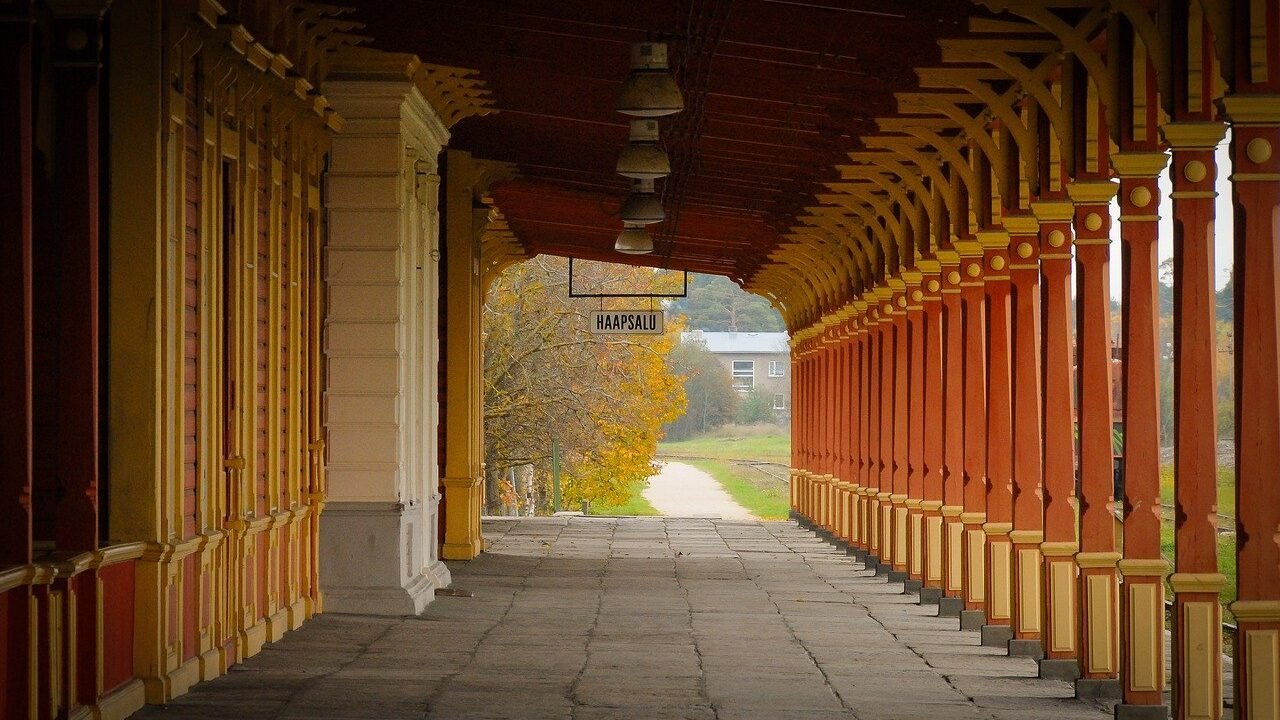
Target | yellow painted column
(463,359)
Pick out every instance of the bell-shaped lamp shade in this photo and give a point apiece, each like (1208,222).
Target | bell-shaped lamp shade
(634,240)
(642,158)
(642,206)
(649,91)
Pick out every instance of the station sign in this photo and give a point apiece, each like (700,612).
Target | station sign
(626,322)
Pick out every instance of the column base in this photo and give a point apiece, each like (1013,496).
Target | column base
(870,562)
(855,553)
(883,568)
(972,619)
(997,635)
(898,576)
(1098,689)
(950,606)
(374,559)
(910,587)
(1065,669)
(930,595)
(1141,712)
(1026,648)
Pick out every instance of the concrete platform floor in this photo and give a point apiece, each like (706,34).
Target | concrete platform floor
(642,619)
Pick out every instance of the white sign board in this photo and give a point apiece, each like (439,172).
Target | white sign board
(626,322)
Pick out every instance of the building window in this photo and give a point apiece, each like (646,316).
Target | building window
(779,401)
(776,368)
(744,375)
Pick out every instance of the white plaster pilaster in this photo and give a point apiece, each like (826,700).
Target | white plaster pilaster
(378,534)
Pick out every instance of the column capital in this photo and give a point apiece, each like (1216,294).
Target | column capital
(1252,109)
(1193,135)
(1197,582)
(1139,165)
(1021,224)
(1053,210)
(1091,191)
(993,238)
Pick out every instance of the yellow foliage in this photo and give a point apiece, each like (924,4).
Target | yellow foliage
(604,398)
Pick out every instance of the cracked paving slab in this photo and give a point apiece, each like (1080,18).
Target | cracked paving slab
(581,618)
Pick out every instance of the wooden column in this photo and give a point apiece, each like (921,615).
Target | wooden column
(462,415)
(1058,630)
(974,301)
(888,379)
(77,69)
(1196,582)
(1256,195)
(915,429)
(866,422)
(898,497)
(874,411)
(932,430)
(953,435)
(999,440)
(1099,609)
(846,428)
(1142,656)
(855,425)
(1027,496)
(15,296)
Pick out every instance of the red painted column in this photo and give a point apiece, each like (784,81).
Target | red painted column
(797,423)
(897,514)
(866,422)
(1098,632)
(878,344)
(915,427)
(1027,491)
(847,476)
(1142,656)
(974,299)
(1058,628)
(999,447)
(932,426)
(1196,582)
(1256,195)
(888,373)
(15,344)
(953,436)
(855,425)
(77,44)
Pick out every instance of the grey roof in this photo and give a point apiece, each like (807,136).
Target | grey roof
(740,342)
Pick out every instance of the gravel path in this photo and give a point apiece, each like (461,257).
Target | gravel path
(680,490)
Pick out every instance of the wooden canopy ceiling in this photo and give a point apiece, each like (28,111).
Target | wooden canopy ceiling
(777,93)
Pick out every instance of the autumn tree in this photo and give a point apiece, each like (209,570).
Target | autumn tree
(712,401)
(548,378)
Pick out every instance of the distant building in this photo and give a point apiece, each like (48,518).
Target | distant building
(759,361)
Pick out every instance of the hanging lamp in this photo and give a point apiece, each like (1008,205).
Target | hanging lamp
(649,91)
(633,240)
(642,206)
(643,158)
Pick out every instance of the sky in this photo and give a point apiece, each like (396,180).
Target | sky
(1224,224)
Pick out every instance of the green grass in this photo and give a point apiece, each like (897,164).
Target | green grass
(766,499)
(766,448)
(1226,488)
(635,504)
(1226,563)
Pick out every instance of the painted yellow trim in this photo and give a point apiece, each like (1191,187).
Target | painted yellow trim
(1062,581)
(1197,582)
(1100,601)
(1097,559)
(1146,636)
(1202,651)
(1029,567)
(1259,611)
(1262,662)
(1000,602)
